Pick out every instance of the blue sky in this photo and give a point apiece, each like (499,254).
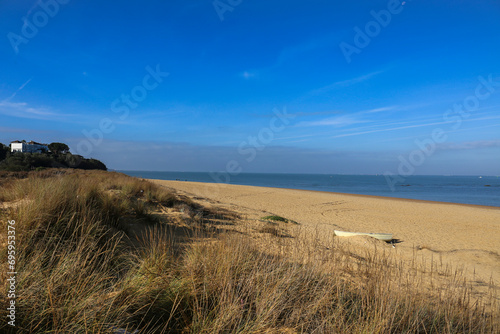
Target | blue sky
(366,87)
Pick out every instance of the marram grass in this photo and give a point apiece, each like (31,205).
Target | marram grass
(100,251)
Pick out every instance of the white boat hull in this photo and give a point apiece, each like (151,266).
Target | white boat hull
(380,236)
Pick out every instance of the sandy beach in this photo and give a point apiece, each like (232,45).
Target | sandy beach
(463,236)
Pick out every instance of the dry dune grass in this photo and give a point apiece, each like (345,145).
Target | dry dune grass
(100,251)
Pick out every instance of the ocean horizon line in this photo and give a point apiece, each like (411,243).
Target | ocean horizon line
(294,173)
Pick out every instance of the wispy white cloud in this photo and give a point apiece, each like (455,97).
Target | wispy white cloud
(18,90)
(339,121)
(289,55)
(248,75)
(341,84)
(346,120)
(382,109)
(302,114)
(425,119)
(24,110)
(410,126)
(353,81)
(388,129)
(415,136)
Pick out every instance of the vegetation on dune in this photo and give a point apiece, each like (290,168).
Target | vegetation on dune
(58,157)
(98,251)
(275,218)
(30,161)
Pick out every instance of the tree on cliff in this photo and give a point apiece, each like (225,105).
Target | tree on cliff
(60,157)
(59,148)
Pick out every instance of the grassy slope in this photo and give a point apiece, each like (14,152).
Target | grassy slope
(99,250)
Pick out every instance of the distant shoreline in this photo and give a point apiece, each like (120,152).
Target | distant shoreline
(462,190)
(348,194)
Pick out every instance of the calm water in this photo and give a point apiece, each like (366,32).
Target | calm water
(455,189)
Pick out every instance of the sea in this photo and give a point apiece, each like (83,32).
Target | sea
(478,190)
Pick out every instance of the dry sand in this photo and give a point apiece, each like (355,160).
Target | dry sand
(465,236)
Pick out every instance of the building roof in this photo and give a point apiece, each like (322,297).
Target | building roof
(29,143)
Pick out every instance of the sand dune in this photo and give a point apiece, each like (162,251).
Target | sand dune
(464,236)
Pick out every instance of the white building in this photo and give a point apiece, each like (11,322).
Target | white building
(31,147)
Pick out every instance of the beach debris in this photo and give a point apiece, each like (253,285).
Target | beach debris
(379,236)
(274,218)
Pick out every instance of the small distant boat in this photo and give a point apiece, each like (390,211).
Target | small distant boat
(379,236)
